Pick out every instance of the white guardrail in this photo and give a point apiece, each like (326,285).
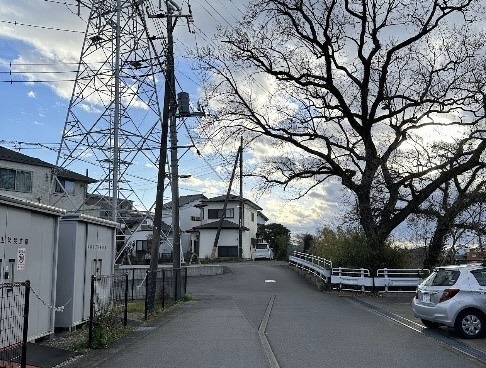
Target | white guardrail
(358,279)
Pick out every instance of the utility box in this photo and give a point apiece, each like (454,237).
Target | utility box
(86,248)
(28,251)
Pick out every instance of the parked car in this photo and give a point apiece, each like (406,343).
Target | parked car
(262,251)
(454,296)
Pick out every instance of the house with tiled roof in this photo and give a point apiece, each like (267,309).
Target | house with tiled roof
(29,178)
(204,235)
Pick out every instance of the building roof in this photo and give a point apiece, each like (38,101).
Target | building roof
(260,214)
(183,200)
(29,205)
(232,198)
(215,224)
(17,157)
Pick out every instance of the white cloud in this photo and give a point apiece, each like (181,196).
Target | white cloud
(31,94)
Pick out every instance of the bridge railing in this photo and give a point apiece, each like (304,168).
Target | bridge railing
(316,265)
(359,279)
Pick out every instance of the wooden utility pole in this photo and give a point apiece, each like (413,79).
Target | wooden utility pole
(241,208)
(168,126)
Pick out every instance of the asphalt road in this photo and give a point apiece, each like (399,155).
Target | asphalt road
(263,314)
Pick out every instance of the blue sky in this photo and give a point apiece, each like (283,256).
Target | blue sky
(33,114)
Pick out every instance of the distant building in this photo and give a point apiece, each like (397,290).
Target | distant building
(204,235)
(199,220)
(189,216)
(101,206)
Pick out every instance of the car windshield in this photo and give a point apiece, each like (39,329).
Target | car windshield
(442,277)
(261,246)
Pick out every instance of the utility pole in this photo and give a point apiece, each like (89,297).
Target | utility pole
(174,161)
(241,209)
(170,115)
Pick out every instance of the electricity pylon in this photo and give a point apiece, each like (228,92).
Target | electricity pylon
(113,123)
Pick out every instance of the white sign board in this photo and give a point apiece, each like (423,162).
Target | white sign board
(21,259)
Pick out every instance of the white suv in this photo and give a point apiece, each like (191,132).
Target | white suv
(454,296)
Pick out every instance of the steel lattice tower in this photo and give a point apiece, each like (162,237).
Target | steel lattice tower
(113,121)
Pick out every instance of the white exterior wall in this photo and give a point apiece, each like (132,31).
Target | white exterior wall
(252,225)
(228,237)
(83,244)
(71,202)
(165,247)
(185,213)
(32,229)
(41,188)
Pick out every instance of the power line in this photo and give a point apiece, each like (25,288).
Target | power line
(15,23)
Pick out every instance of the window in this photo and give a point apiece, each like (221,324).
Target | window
(68,186)
(252,217)
(442,277)
(20,181)
(141,245)
(480,275)
(216,213)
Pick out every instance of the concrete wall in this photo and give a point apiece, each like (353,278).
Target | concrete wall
(192,270)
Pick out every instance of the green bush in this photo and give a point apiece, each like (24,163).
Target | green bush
(350,248)
(107,328)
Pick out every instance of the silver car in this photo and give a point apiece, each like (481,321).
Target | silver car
(454,296)
(262,251)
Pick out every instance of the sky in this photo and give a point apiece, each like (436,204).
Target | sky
(39,37)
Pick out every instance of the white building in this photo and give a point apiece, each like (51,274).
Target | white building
(199,220)
(203,236)
(189,216)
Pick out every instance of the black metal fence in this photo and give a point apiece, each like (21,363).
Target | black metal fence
(14,320)
(110,295)
(108,303)
(170,286)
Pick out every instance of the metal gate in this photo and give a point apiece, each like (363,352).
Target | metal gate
(14,320)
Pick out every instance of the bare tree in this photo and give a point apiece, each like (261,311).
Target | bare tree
(358,91)
(455,208)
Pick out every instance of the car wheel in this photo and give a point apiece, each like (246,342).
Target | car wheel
(470,324)
(430,324)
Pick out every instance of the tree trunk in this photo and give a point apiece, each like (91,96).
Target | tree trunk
(437,242)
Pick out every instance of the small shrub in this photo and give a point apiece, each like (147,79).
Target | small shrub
(107,328)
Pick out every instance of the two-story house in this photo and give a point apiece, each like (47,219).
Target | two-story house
(30,178)
(189,216)
(203,236)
